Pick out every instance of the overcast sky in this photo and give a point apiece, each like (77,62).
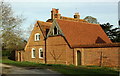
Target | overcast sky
(104,10)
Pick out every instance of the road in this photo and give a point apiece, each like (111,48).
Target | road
(8,70)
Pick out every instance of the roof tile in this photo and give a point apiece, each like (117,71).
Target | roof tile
(82,33)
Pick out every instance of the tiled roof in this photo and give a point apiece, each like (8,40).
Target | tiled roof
(72,19)
(68,18)
(82,33)
(44,26)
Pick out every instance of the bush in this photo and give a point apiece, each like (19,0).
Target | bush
(9,54)
(5,53)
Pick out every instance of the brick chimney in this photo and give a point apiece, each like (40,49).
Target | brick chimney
(77,16)
(55,13)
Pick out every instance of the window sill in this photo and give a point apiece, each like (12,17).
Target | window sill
(40,57)
(33,57)
(37,40)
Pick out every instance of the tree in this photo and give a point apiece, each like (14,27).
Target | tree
(113,33)
(91,19)
(10,28)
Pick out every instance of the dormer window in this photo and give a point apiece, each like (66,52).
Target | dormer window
(37,37)
(55,31)
(47,30)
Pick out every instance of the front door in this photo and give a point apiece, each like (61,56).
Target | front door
(78,58)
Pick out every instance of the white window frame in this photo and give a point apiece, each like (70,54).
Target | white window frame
(32,53)
(36,37)
(40,49)
(53,31)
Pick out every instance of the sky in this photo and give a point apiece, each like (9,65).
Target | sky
(63,0)
(33,10)
(119,10)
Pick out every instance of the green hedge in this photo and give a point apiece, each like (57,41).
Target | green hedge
(6,53)
(9,54)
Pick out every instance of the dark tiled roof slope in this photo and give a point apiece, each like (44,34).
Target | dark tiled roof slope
(44,26)
(82,33)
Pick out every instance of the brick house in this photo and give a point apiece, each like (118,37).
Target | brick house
(64,40)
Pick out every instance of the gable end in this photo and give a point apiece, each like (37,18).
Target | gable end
(55,28)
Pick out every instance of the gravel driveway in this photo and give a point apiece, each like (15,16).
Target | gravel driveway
(8,70)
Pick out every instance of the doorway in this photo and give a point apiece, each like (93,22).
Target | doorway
(19,56)
(78,58)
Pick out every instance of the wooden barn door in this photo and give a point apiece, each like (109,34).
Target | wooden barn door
(78,58)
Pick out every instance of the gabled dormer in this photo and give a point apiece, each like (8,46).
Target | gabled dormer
(55,30)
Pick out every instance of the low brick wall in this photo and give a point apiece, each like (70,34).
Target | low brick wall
(107,56)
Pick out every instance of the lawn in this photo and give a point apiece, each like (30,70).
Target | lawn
(67,70)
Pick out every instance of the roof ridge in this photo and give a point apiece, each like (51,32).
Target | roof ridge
(72,19)
(77,21)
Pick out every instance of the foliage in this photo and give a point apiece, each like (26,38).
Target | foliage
(10,28)
(66,69)
(6,53)
(113,33)
(91,19)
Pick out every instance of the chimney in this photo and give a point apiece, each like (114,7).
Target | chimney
(55,13)
(77,16)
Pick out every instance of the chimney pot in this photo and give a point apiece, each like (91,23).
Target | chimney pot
(77,16)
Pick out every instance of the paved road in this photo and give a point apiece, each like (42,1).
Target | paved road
(8,70)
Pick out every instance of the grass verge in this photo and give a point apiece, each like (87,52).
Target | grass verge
(69,70)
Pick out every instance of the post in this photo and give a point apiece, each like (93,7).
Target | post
(101,58)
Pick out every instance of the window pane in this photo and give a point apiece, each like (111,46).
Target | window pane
(41,54)
(55,30)
(33,53)
(36,37)
(47,30)
(39,37)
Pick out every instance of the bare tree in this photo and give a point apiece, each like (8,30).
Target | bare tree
(10,27)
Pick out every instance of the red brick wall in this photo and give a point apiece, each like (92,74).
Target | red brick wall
(19,55)
(91,56)
(34,44)
(58,51)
